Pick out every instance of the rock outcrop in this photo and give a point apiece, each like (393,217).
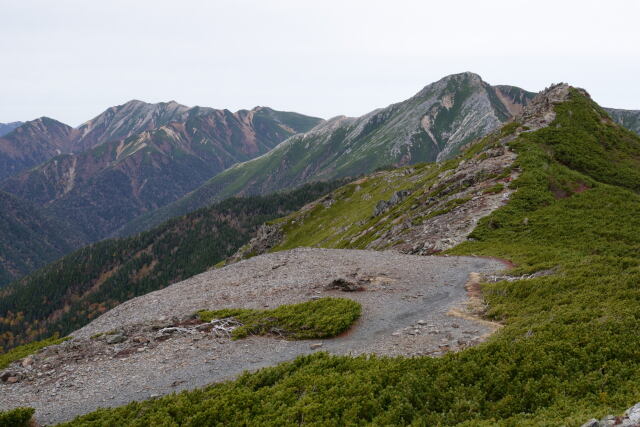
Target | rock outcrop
(630,418)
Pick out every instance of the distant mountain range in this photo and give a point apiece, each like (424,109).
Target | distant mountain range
(32,143)
(106,186)
(139,164)
(430,126)
(78,185)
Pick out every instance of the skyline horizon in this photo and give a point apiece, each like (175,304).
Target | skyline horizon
(234,110)
(70,59)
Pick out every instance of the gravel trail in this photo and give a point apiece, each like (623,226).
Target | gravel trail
(405,301)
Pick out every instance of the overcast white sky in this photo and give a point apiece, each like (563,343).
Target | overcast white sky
(71,59)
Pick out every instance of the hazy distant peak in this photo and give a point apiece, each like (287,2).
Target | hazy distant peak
(5,128)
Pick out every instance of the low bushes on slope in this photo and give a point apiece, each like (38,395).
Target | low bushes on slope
(322,318)
(570,348)
(19,417)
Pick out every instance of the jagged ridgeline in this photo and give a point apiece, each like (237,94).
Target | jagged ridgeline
(569,348)
(431,125)
(145,156)
(431,207)
(69,293)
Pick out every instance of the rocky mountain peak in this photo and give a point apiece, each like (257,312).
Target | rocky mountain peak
(43,128)
(450,83)
(466,75)
(31,143)
(133,102)
(125,120)
(540,111)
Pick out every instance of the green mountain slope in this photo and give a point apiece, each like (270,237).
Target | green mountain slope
(445,201)
(105,187)
(432,125)
(29,239)
(569,348)
(70,292)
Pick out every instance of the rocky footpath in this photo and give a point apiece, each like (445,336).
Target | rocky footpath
(152,345)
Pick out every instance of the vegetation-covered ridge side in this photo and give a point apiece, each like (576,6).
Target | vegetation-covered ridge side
(420,209)
(569,350)
(30,239)
(19,417)
(72,291)
(322,318)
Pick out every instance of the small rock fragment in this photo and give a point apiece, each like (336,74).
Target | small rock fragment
(344,285)
(27,361)
(315,346)
(116,338)
(4,377)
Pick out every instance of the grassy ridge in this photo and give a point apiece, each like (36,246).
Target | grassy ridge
(323,318)
(570,348)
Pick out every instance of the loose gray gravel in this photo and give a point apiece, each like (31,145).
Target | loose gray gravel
(405,302)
